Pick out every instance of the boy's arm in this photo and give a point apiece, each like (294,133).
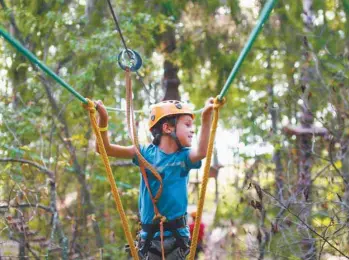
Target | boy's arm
(200,152)
(113,150)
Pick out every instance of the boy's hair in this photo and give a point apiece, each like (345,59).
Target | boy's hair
(156,130)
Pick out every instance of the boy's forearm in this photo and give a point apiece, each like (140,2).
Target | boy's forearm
(113,150)
(102,123)
(106,142)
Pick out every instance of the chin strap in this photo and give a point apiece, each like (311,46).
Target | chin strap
(174,136)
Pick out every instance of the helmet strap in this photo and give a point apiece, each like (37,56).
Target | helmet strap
(174,135)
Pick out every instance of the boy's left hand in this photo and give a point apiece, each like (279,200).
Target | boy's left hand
(207,111)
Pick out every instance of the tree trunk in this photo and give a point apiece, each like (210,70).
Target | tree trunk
(22,251)
(86,200)
(304,188)
(170,81)
(345,137)
(263,234)
(305,144)
(274,119)
(95,10)
(345,173)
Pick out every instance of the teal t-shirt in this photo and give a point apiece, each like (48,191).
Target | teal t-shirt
(174,169)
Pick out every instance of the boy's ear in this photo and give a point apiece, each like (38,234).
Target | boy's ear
(166,128)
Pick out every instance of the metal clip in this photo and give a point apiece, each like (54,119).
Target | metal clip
(129,59)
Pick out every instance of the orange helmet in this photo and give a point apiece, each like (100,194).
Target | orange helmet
(167,108)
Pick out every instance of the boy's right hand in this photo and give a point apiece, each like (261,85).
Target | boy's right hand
(103,114)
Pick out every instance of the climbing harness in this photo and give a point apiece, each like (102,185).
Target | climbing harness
(172,226)
(133,64)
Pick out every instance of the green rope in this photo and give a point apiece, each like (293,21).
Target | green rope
(36,61)
(262,18)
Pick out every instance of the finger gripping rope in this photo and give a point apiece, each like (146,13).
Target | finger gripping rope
(217,103)
(90,106)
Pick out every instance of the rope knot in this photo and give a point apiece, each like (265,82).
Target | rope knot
(217,103)
(90,106)
(159,217)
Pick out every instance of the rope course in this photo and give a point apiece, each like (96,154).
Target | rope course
(134,64)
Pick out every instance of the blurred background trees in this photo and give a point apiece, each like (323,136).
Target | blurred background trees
(283,191)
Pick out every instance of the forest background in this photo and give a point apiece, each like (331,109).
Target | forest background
(283,136)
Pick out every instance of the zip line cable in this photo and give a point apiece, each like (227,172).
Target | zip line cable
(262,18)
(118,27)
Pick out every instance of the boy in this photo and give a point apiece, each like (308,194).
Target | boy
(171,124)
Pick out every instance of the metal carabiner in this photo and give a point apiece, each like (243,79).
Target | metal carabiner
(129,59)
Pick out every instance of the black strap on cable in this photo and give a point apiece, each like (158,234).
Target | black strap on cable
(117,25)
(140,78)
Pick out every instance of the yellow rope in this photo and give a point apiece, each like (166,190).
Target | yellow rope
(91,108)
(194,240)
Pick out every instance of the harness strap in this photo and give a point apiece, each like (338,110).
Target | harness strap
(172,226)
(168,225)
(179,244)
(175,137)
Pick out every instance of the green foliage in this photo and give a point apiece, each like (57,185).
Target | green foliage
(43,123)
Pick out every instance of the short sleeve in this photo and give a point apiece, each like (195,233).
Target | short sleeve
(142,149)
(190,165)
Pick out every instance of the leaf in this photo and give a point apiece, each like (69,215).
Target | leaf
(25,148)
(338,164)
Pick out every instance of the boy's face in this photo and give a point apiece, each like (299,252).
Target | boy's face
(185,130)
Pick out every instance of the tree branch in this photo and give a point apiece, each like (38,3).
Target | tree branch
(305,224)
(12,21)
(40,167)
(26,206)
